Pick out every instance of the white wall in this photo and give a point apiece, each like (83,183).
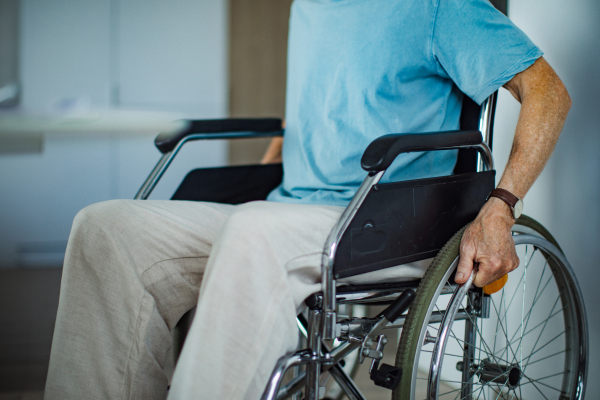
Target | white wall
(566,198)
(133,54)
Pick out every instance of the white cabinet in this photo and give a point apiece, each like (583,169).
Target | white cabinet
(132,54)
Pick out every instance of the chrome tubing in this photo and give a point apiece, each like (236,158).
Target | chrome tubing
(440,344)
(379,295)
(346,383)
(297,382)
(435,318)
(331,244)
(283,364)
(292,387)
(485,117)
(486,160)
(313,369)
(166,158)
(468,355)
(154,177)
(486,122)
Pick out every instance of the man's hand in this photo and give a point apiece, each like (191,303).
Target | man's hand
(488,243)
(544,107)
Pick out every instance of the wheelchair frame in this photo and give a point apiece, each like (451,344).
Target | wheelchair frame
(322,322)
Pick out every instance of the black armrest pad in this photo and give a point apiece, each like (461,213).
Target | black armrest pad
(382,151)
(166,142)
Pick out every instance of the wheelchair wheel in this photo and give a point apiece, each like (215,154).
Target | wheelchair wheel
(526,341)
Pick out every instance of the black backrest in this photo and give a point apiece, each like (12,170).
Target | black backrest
(469,117)
(240,184)
(469,120)
(230,185)
(501,5)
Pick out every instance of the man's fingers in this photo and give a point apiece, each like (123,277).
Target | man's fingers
(491,270)
(465,264)
(483,277)
(516,262)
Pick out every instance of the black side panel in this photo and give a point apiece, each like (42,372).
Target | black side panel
(409,221)
(230,185)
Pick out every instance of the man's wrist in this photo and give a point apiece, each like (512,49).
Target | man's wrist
(514,203)
(498,206)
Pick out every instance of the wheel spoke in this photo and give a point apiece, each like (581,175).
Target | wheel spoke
(522,276)
(533,329)
(459,341)
(498,319)
(538,389)
(505,331)
(472,393)
(520,348)
(536,297)
(500,391)
(535,300)
(543,328)
(484,396)
(506,337)
(534,381)
(509,304)
(547,343)
(482,341)
(451,331)
(544,377)
(552,355)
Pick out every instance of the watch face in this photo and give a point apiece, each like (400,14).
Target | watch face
(518,209)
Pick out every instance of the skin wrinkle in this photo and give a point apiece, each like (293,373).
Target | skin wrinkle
(488,242)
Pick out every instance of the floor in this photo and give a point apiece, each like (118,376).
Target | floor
(28,304)
(37,395)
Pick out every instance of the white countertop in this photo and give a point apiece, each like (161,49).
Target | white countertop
(17,123)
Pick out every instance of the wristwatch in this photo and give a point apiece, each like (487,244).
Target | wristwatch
(515,203)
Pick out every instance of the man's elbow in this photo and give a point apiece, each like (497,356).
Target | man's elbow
(562,96)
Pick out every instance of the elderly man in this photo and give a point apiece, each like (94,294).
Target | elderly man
(357,70)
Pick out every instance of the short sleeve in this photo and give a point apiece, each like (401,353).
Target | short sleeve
(478,47)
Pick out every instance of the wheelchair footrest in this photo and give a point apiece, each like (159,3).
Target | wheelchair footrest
(386,376)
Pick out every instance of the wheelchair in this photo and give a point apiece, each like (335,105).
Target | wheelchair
(522,338)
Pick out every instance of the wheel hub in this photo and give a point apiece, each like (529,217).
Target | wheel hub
(490,372)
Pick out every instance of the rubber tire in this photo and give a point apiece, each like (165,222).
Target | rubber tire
(405,357)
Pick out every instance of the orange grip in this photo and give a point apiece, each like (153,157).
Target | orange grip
(496,285)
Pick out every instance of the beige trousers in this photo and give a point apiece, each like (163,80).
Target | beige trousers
(133,268)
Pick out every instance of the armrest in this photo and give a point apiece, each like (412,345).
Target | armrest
(220,129)
(382,151)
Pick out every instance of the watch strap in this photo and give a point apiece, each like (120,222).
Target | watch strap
(505,196)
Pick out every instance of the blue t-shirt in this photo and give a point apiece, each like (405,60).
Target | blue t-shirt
(360,69)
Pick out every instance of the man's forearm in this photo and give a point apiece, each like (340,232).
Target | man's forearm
(273,153)
(544,107)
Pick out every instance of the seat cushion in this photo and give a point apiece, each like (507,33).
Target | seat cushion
(399,273)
